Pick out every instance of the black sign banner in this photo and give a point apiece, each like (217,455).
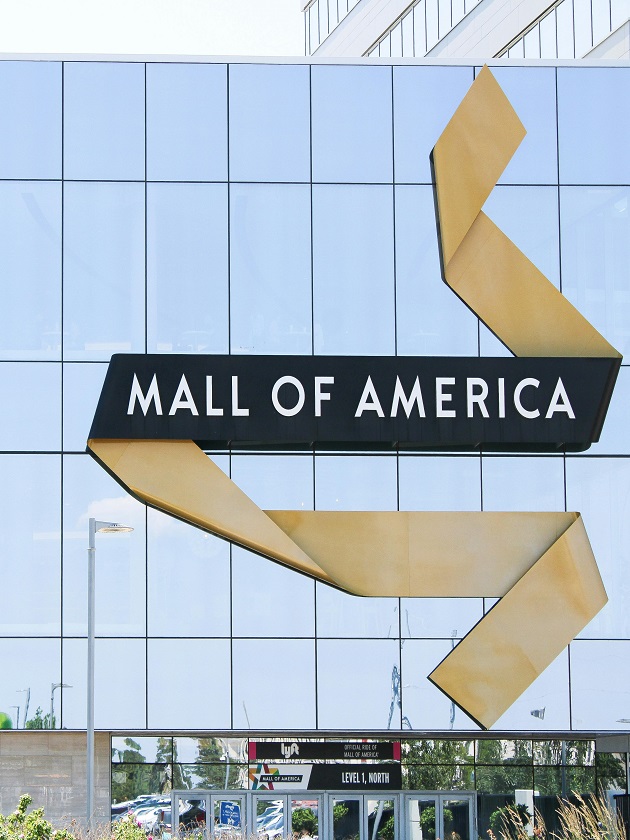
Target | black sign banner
(349,402)
(326,777)
(320,750)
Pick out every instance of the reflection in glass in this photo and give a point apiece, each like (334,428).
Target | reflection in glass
(341,614)
(136,779)
(120,701)
(270,268)
(459,811)
(103,269)
(422,817)
(270,817)
(269,123)
(353,269)
(430,319)
(223,776)
(599,489)
(269,599)
(29,667)
(381,819)
(30,103)
(141,749)
(504,751)
(439,617)
(273,681)
(534,483)
(186,122)
(595,257)
(352,124)
(355,482)
(82,385)
(31,546)
(30,265)
(103,120)
(358,684)
(593,149)
(181,558)
(600,685)
(346,819)
(275,482)
(120,558)
(544,705)
(442,482)
(187,268)
(32,422)
(187,683)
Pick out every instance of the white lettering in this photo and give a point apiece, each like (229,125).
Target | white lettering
(525,383)
(441,397)
(320,395)
(288,380)
(211,411)
(407,403)
(560,402)
(183,398)
(236,410)
(152,394)
(501,398)
(369,400)
(479,397)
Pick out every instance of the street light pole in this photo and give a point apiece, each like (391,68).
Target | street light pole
(95,526)
(53,688)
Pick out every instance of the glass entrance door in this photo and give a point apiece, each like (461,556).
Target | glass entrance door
(363,817)
(278,816)
(447,816)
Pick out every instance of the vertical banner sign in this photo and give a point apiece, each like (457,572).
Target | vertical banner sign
(157,413)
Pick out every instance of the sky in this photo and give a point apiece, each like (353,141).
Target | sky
(164,27)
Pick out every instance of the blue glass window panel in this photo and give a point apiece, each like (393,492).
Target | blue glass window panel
(187,268)
(353,269)
(257,584)
(118,703)
(104,121)
(82,384)
(186,122)
(30,103)
(595,226)
(188,579)
(354,683)
(550,691)
(342,615)
(355,482)
(120,558)
(424,705)
(439,482)
(103,270)
(430,319)
(593,129)
(523,483)
(352,124)
(600,685)
(261,671)
(275,482)
(270,268)
(34,664)
(425,99)
(532,93)
(32,420)
(30,266)
(30,547)
(172,662)
(598,488)
(269,123)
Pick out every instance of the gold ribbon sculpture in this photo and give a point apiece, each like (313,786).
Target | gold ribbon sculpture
(540,565)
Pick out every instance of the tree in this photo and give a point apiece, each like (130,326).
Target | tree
(439,765)
(41,721)
(304,821)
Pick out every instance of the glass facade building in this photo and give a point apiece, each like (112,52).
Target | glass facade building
(287,209)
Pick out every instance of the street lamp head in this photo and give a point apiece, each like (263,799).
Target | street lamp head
(112,528)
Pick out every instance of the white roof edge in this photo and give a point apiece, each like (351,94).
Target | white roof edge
(315,60)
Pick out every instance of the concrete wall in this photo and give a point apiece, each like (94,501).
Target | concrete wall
(51,767)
